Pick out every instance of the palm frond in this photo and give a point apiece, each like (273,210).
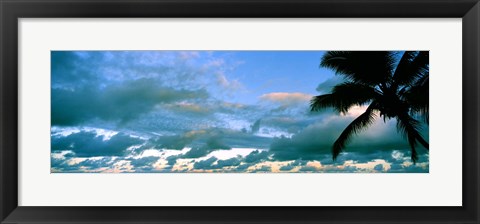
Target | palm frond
(409,127)
(366,67)
(344,96)
(412,66)
(404,64)
(418,98)
(396,93)
(360,123)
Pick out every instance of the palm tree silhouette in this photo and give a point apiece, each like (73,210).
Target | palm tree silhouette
(392,86)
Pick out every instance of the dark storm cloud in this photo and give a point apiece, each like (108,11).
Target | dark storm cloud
(91,164)
(144,164)
(228,162)
(292,165)
(68,71)
(213,142)
(397,162)
(400,168)
(87,144)
(211,145)
(196,153)
(58,163)
(297,148)
(117,102)
(204,164)
(242,167)
(315,142)
(80,68)
(238,139)
(171,160)
(289,124)
(119,86)
(210,139)
(286,168)
(256,126)
(308,169)
(213,164)
(257,156)
(145,161)
(242,163)
(207,140)
(177,142)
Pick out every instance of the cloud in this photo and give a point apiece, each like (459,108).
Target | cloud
(206,139)
(120,86)
(291,124)
(400,162)
(257,156)
(213,163)
(69,70)
(144,161)
(395,162)
(204,142)
(80,165)
(256,126)
(287,99)
(88,144)
(308,169)
(211,145)
(188,108)
(326,86)
(204,164)
(228,162)
(94,164)
(293,165)
(242,167)
(59,165)
(144,164)
(216,143)
(224,138)
(171,160)
(222,81)
(200,148)
(117,102)
(263,169)
(177,142)
(72,69)
(196,153)
(236,163)
(286,168)
(315,141)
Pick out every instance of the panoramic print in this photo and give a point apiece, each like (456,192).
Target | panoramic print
(239,111)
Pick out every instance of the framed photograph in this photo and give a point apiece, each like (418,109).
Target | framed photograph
(239,111)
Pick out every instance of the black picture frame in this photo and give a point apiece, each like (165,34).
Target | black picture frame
(12,10)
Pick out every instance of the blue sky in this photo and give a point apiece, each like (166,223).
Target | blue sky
(207,111)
